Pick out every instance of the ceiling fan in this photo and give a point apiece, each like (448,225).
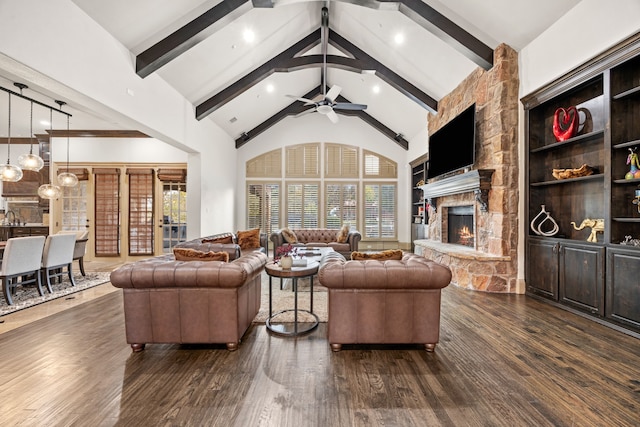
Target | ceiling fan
(326,103)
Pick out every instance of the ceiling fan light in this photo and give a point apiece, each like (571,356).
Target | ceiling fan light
(30,162)
(49,191)
(10,173)
(324,109)
(67,179)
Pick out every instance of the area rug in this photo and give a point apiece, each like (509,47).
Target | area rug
(28,296)
(284,299)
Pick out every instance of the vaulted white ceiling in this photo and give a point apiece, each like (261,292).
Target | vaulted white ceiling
(220,56)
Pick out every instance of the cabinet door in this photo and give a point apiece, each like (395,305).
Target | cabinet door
(582,277)
(623,286)
(542,271)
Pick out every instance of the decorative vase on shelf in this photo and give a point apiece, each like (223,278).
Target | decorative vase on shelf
(286,262)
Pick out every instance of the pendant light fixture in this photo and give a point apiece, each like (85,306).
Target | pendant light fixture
(67,179)
(31,162)
(50,191)
(9,172)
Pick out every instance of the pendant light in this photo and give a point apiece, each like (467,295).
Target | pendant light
(50,191)
(9,172)
(67,179)
(31,162)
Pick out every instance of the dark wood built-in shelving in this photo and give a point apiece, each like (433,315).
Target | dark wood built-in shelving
(599,279)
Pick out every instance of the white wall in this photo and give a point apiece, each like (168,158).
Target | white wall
(317,128)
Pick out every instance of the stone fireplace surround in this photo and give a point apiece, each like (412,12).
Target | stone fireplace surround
(491,187)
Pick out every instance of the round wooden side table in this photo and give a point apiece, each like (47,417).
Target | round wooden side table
(294,273)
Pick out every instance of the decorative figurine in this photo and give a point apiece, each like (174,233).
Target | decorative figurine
(596,225)
(565,123)
(538,229)
(632,159)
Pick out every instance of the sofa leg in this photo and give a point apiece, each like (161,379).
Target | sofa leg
(336,347)
(232,346)
(137,347)
(430,347)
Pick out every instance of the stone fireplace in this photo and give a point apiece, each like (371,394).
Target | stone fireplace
(486,197)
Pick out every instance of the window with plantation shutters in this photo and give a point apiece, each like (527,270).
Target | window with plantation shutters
(341,205)
(341,161)
(107,211)
(380,211)
(377,166)
(303,161)
(141,209)
(263,206)
(302,205)
(268,165)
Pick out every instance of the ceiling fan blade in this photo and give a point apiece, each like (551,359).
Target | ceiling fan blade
(332,116)
(305,112)
(349,106)
(333,93)
(305,100)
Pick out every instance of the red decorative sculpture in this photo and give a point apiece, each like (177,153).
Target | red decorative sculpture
(565,123)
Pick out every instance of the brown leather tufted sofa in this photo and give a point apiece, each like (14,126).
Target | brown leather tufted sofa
(320,237)
(231,248)
(383,302)
(169,301)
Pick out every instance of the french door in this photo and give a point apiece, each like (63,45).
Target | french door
(130,212)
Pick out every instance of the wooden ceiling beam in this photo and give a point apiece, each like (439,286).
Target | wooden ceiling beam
(262,72)
(190,35)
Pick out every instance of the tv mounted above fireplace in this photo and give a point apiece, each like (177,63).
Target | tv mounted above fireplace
(452,147)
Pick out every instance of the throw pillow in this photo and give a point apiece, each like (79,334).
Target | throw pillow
(289,236)
(186,254)
(223,239)
(249,239)
(390,254)
(343,234)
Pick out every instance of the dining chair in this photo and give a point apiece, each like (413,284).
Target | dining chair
(21,264)
(80,248)
(57,254)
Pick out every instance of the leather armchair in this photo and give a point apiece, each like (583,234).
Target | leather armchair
(383,302)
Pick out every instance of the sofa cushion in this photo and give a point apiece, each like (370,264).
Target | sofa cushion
(340,247)
(186,254)
(249,239)
(222,239)
(289,236)
(343,234)
(394,254)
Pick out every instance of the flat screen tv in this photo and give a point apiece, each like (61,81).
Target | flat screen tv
(452,147)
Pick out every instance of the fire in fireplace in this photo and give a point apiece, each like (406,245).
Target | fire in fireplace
(460,227)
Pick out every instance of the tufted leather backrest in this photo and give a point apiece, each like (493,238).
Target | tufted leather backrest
(317,235)
(412,272)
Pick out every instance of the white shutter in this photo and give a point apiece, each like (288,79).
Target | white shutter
(263,206)
(341,205)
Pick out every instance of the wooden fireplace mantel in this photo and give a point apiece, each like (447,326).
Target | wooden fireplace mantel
(477,181)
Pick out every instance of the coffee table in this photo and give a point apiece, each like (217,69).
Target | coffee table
(272,268)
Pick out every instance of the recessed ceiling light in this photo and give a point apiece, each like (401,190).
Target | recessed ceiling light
(399,38)
(249,36)
(270,88)
(376,89)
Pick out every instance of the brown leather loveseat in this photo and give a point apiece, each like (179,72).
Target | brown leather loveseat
(318,237)
(169,301)
(383,302)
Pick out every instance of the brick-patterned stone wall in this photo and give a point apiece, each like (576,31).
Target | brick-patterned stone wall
(495,93)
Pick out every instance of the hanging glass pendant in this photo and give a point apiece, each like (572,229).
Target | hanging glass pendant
(10,173)
(49,191)
(30,162)
(67,179)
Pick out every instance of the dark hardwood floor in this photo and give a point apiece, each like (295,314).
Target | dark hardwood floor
(503,360)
